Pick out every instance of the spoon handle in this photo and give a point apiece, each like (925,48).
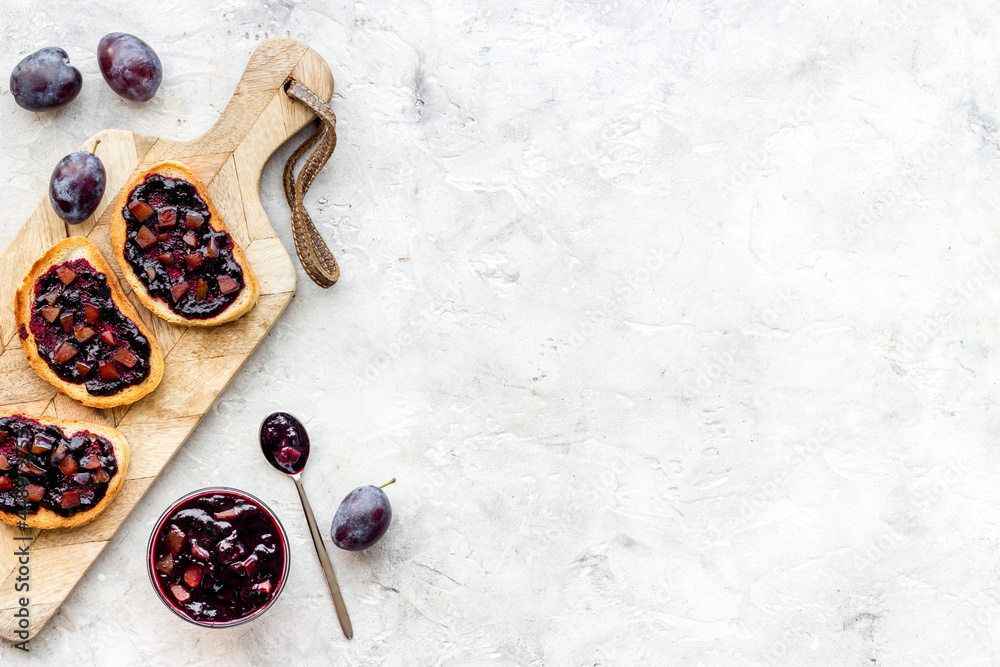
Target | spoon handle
(324,560)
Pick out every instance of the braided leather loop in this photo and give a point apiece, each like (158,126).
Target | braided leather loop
(316,258)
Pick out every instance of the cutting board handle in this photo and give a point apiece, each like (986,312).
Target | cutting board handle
(260,116)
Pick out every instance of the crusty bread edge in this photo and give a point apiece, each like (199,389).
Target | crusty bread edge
(24,299)
(251,290)
(46,518)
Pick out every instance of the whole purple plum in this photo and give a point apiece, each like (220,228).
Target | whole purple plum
(77,185)
(45,80)
(129,65)
(362,518)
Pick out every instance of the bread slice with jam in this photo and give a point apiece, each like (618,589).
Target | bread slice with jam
(81,333)
(175,251)
(70,471)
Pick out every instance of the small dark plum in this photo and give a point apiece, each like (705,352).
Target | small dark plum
(362,519)
(129,65)
(45,80)
(77,185)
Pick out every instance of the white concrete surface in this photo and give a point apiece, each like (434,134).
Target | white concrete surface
(676,321)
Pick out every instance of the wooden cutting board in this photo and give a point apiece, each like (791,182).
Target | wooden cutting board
(229,159)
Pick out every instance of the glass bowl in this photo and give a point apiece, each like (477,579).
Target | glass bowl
(170,601)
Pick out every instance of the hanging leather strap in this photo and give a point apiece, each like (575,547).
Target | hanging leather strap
(316,258)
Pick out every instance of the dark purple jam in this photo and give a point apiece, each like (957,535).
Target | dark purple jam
(284,441)
(219,557)
(63,474)
(176,253)
(81,334)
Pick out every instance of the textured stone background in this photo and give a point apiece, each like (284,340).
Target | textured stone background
(675,320)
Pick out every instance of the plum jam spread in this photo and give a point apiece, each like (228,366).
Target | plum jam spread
(65,474)
(284,441)
(179,257)
(218,557)
(82,335)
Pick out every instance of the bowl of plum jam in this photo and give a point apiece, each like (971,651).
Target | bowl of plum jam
(218,557)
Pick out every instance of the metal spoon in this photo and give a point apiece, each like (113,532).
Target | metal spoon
(285,444)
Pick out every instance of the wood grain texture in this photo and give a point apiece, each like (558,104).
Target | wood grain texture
(200,362)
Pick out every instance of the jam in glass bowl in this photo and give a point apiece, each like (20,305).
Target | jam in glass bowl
(218,557)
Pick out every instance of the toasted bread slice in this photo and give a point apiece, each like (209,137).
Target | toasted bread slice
(68,250)
(46,518)
(162,305)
